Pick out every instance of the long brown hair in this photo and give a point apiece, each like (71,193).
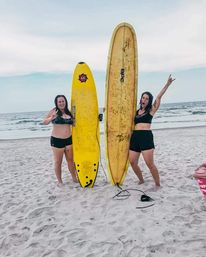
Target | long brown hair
(149,105)
(66,110)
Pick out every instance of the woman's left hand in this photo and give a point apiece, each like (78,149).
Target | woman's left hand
(170,80)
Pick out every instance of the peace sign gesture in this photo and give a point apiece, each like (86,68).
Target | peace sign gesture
(53,113)
(170,80)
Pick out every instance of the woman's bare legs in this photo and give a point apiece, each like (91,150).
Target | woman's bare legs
(148,156)
(133,159)
(58,156)
(70,161)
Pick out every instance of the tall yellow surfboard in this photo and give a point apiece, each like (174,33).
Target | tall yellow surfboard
(120,100)
(85,132)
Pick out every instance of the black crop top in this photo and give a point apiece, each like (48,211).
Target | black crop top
(60,120)
(143,118)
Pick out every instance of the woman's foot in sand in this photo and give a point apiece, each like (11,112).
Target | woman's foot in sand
(75,179)
(157,183)
(155,188)
(60,184)
(74,176)
(141,182)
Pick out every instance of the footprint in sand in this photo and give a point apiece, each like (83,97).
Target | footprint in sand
(196,221)
(171,250)
(118,229)
(168,235)
(34,245)
(16,239)
(156,248)
(90,255)
(45,229)
(52,198)
(58,252)
(84,204)
(136,251)
(38,212)
(76,234)
(178,219)
(86,224)
(112,222)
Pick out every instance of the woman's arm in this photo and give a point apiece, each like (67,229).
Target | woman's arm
(50,116)
(157,101)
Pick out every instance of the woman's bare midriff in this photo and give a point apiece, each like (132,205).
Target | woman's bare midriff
(61,131)
(142,126)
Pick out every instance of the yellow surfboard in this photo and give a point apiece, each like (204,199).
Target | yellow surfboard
(85,132)
(120,100)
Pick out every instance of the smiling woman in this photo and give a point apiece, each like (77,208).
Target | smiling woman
(61,138)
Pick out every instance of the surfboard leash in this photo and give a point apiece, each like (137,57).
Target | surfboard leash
(124,194)
(100,157)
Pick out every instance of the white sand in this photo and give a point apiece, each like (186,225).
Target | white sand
(39,219)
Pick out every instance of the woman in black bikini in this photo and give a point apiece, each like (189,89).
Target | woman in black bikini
(142,138)
(61,139)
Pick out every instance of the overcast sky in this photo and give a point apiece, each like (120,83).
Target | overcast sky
(42,41)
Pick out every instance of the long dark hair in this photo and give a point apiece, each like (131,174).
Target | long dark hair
(66,110)
(149,105)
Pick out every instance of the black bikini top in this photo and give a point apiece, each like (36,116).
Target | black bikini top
(146,117)
(60,120)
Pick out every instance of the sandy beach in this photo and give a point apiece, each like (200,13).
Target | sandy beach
(38,219)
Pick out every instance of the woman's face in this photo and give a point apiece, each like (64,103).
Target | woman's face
(144,100)
(61,103)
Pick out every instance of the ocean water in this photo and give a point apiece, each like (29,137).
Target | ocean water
(173,115)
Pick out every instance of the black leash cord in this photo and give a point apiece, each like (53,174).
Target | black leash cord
(143,207)
(122,196)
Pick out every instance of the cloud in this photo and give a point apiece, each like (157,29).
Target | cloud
(25,53)
(175,40)
(170,40)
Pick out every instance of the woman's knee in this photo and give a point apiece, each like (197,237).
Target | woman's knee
(69,156)
(58,162)
(132,161)
(151,165)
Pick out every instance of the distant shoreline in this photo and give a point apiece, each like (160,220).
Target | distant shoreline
(102,133)
(101,107)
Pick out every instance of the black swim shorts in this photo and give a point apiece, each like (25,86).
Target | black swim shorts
(141,140)
(60,142)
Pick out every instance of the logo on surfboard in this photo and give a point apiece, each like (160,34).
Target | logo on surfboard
(83,78)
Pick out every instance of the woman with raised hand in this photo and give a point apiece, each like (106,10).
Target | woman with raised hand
(141,141)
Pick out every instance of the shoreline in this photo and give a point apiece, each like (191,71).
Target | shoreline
(102,133)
